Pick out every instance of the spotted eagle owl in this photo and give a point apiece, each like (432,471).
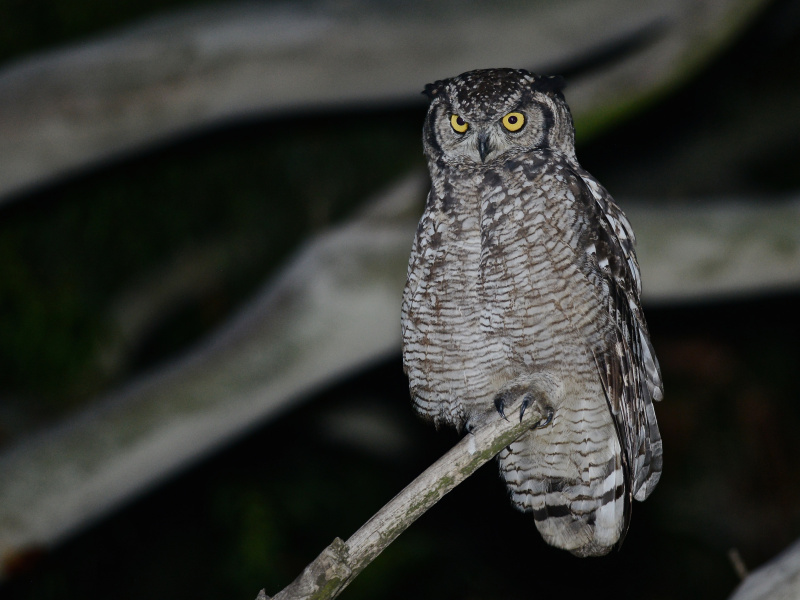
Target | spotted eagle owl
(523,287)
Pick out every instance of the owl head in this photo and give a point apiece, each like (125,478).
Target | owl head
(492,114)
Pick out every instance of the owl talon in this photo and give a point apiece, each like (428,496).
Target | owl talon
(526,402)
(547,421)
(500,404)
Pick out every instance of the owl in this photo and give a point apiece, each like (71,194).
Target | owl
(523,288)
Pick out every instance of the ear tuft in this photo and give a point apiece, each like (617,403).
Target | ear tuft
(549,84)
(432,90)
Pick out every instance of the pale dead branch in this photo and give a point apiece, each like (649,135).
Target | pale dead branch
(341,562)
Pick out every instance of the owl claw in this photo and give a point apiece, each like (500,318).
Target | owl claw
(526,402)
(500,404)
(547,420)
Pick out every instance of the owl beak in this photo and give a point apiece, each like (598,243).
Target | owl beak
(483,145)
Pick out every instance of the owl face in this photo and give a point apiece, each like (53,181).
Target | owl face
(491,114)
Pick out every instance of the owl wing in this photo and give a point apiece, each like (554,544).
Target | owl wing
(627,366)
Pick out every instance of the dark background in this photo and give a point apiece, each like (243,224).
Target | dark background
(255,514)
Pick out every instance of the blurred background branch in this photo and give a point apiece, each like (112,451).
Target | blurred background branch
(779,579)
(76,106)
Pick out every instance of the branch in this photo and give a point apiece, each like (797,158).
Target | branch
(341,562)
(778,579)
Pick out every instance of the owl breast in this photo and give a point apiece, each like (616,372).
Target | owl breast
(495,288)
(444,348)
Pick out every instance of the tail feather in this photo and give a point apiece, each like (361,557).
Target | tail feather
(572,479)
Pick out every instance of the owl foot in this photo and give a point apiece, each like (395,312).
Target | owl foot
(506,397)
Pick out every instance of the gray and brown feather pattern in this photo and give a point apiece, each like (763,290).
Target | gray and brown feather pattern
(523,276)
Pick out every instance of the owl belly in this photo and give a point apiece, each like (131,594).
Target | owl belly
(449,359)
(472,323)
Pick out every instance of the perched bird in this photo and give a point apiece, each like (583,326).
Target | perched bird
(523,287)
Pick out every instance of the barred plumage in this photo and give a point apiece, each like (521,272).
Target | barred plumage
(523,268)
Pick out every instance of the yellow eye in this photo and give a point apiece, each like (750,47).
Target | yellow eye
(514,121)
(459,124)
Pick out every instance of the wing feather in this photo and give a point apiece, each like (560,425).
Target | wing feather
(627,364)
